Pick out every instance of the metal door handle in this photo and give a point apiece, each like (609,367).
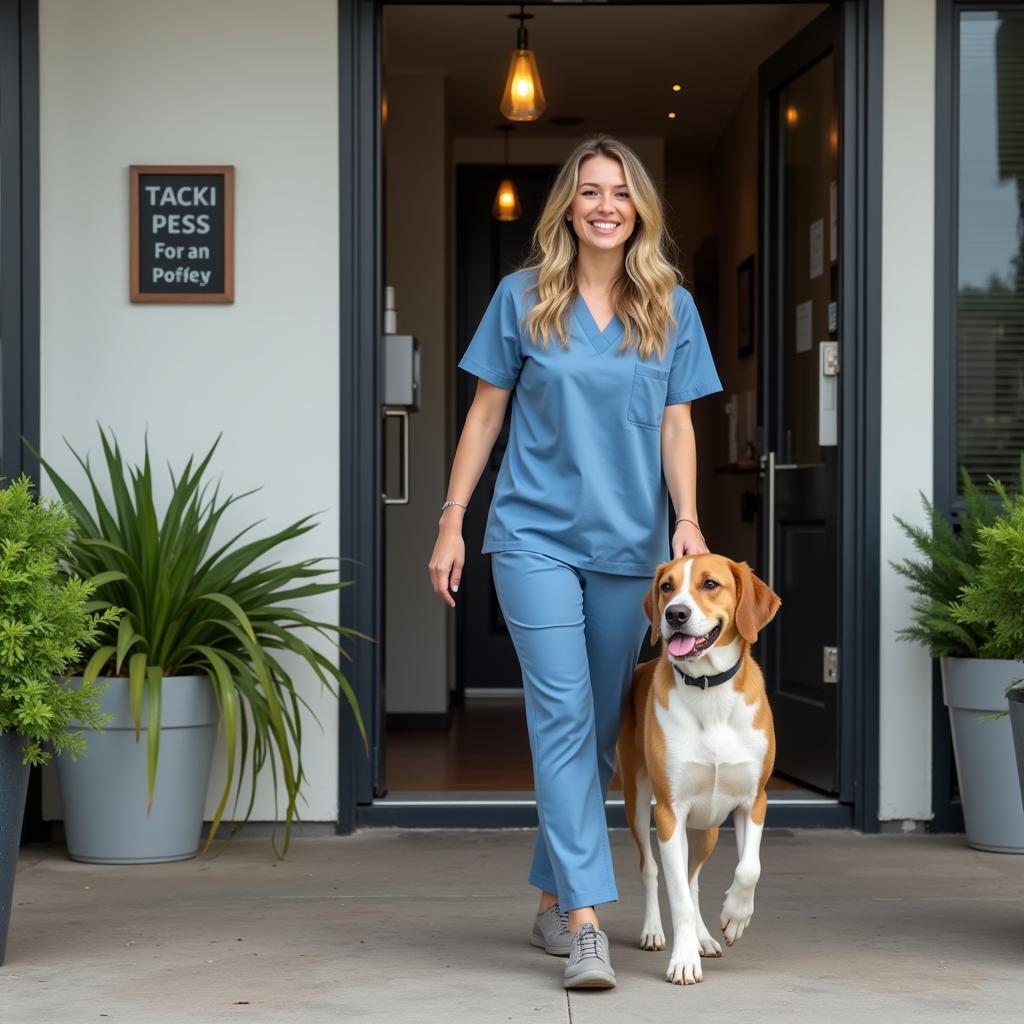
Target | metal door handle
(768,460)
(768,466)
(402,414)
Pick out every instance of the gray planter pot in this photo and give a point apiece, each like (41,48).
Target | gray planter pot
(1016,702)
(13,787)
(104,792)
(972,689)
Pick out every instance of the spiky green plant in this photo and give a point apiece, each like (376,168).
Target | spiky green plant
(45,624)
(193,610)
(950,562)
(995,600)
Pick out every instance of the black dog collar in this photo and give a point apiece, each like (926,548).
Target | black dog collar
(714,680)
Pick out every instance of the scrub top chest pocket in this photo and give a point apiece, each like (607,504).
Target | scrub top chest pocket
(647,396)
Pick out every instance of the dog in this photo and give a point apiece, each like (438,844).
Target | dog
(697,735)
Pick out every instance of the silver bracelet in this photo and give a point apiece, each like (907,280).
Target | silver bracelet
(447,503)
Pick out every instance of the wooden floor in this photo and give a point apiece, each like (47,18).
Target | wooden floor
(486,748)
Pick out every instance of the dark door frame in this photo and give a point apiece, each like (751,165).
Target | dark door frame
(19,243)
(19,273)
(796,714)
(360,455)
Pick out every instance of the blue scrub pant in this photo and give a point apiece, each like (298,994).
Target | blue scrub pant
(577,633)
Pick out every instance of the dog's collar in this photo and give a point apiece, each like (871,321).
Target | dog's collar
(713,680)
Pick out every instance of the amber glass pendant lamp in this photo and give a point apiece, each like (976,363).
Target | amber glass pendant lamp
(523,99)
(506,201)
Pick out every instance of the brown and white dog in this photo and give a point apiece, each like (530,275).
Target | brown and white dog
(697,736)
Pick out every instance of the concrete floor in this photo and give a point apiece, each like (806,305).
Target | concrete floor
(423,925)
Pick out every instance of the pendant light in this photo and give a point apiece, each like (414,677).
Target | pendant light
(506,201)
(523,99)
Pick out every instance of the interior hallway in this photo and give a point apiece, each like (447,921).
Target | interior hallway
(486,749)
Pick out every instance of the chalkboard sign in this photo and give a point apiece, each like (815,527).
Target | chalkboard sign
(182,233)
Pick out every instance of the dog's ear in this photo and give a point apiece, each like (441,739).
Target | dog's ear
(756,602)
(650,603)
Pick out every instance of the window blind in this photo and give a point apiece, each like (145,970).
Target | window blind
(990,245)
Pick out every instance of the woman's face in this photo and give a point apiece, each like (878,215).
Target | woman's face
(602,211)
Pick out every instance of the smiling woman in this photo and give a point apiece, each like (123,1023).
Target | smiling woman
(578,521)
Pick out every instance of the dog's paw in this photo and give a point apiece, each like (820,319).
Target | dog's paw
(708,946)
(652,935)
(684,967)
(736,913)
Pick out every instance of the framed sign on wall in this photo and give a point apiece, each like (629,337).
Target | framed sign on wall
(182,233)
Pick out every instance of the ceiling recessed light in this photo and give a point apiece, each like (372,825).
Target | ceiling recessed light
(672,114)
(676,88)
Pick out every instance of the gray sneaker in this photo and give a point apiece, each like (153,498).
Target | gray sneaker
(589,965)
(551,931)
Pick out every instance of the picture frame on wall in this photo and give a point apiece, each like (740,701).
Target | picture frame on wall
(745,307)
(181,233)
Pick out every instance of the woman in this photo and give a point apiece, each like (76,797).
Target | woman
(600,434)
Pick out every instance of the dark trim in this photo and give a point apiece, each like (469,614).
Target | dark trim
(19,274)
(30,243)
(361,253)
(616,3)
(19,246)
(944,397)
(946,817)
(474,814)
(862,412)
(947,812)
(10,239)
(416,720)
(360,438)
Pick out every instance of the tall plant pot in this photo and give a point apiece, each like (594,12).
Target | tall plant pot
(104,792)
(1016,701)
(972,689)
(13,787)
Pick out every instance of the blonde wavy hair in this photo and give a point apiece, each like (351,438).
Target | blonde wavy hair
(642,297)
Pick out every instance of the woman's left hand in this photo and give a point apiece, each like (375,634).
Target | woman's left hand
(688,540)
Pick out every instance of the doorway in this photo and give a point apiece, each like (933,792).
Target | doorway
(466,759)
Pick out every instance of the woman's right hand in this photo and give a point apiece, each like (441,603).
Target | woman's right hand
(447,561)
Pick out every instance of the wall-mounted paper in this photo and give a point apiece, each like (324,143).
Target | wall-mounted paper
(804,333)
(833,219)
(817,247)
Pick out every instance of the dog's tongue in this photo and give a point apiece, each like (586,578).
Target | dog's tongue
(681,644)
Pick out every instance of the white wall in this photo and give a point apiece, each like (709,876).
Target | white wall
(246,82)
(908,229)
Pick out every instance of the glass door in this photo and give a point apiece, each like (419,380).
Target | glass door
(800,397)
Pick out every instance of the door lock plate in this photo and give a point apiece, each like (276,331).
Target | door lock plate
(830,666)
(830,360)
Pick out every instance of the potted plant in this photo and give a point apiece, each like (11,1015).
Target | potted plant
(975,672)
(1015,698)
(44,623)
(996,600)
(209,639)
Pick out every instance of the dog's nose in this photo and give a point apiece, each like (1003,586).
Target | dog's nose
(676,615)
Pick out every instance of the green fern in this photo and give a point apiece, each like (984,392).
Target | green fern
(951,563)
(45,623)
(994,601)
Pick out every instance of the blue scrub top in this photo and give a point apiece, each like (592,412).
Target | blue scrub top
(581,479)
